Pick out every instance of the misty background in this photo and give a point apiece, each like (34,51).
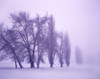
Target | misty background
(81,18)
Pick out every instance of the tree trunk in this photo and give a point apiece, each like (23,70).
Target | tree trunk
(31,63)
(15,64)
(31,59)
(38,63)
(16,57)
(51,65)
(61,62)
(34,53)
(19,63)
(61,65)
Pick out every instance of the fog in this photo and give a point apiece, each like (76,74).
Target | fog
(81,18)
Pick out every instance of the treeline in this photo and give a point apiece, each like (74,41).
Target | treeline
(30,39)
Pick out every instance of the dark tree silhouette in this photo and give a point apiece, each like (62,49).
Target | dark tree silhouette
(32,38)
(60,52)
(40,23)
(67,49)
(22,23)
(51,41)
(8,44)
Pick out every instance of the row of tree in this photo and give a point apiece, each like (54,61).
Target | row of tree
(30,39)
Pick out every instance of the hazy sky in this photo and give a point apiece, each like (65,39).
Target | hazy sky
(81,18)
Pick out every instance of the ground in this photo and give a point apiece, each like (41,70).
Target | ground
(85,71)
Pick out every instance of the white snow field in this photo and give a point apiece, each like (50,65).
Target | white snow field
(89,71)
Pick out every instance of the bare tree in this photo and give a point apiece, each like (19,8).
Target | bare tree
(22,23)
(51,41)
(66,49)
(40,23)
(60,52)
(8,44)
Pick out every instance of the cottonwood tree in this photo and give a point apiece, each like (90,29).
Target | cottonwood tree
(60,52)
(51,41)
(9,44)
(66,48)
(22,23)
(40,23)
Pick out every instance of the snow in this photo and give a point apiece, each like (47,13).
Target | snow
(85,71)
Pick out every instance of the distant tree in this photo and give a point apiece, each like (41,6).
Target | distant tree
(66,49)
(51,41)
(78,54)
(9,45)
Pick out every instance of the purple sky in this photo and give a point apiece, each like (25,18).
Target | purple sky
(81,18)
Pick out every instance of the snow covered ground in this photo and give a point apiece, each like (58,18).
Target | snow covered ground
(89,71)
